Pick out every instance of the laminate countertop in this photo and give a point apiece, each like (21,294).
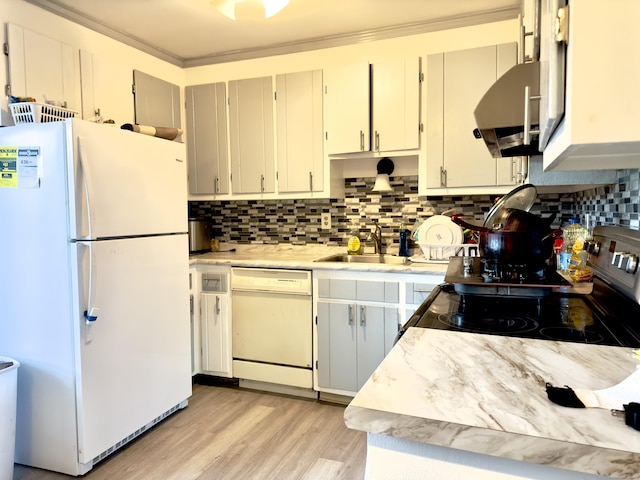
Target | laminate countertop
(486,394)
(303,257)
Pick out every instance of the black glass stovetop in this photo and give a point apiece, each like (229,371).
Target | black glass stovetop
(555,316)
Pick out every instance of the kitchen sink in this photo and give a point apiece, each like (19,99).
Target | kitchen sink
(366,258)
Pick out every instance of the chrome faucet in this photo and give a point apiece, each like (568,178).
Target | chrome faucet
(377,239)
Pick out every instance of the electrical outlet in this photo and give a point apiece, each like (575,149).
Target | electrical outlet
(325,221)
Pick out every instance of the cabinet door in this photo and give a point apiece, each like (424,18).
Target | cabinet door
(396,104)
(435,127)
(157,103)
(251,135)
(370,341)
(216,353)
(337,362)
(42,67)
(106,89)
(207,138)
(468,74)
(455,158)
(299,141)
(347,108)
(391,327)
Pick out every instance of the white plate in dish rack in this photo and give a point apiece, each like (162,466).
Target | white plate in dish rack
(440,230)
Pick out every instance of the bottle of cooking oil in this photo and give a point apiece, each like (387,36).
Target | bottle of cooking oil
(573,236)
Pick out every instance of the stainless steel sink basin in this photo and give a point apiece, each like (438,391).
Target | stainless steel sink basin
(366,258)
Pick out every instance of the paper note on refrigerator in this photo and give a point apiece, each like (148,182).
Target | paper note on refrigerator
(8,167)
(20,167)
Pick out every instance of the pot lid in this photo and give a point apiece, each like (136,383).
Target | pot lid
(520,198)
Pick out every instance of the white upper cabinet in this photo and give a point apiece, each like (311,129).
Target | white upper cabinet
(157,102)
(299,132)
(207,144)
(600,128)
(347,108)
(106,89)
(251,135)
(385,94)
(455,83)
(43,68)
(396,104)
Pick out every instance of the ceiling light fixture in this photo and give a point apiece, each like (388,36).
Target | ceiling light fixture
(228,7)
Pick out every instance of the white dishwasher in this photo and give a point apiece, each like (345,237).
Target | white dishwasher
(272,326)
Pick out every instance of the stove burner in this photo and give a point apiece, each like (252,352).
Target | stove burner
(571,335)
(486,323)
(496,271)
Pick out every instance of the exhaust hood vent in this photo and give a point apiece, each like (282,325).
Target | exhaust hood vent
(500,114)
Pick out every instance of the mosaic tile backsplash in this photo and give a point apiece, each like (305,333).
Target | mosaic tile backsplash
(298,221)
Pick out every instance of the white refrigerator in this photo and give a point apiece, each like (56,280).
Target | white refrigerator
(94,300)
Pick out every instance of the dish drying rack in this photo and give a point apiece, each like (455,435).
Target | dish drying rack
(33,112)
(438,253)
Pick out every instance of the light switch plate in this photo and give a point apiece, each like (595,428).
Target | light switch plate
(325,221)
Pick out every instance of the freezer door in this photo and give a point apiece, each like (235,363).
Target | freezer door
(125,183)
(135,358)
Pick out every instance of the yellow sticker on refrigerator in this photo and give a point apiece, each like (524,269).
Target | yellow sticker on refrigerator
(20,167)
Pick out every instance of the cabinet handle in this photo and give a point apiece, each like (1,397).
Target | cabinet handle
(262,183)
(350,314)
(528,98)
(443,177)
(377,141)
(363,316)
(311,181)
(361,140)
(217,305)
(217,187)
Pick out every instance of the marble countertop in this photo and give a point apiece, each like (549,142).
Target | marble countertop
(486,394)
(302,257)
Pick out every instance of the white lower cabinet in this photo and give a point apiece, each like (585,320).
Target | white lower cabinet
(353,339)
(357,318)
(416,293)
(215,324)
(356,323)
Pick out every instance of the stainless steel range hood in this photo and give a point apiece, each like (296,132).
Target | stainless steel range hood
(500,114)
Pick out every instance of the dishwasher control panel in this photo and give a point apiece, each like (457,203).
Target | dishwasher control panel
(271,280)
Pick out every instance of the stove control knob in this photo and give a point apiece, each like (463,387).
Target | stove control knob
(594,248)
(632,264)
(616,259)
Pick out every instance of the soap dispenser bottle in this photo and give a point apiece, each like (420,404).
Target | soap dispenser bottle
(403,249)
(354,244)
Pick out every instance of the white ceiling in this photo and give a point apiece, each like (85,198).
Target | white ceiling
(191,32)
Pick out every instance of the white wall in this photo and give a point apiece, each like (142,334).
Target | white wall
(413,45)
(35,19)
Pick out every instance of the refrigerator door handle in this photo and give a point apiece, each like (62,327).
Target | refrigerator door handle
(87,182)
(91,313)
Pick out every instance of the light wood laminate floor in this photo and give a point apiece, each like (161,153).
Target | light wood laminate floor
(231,433)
